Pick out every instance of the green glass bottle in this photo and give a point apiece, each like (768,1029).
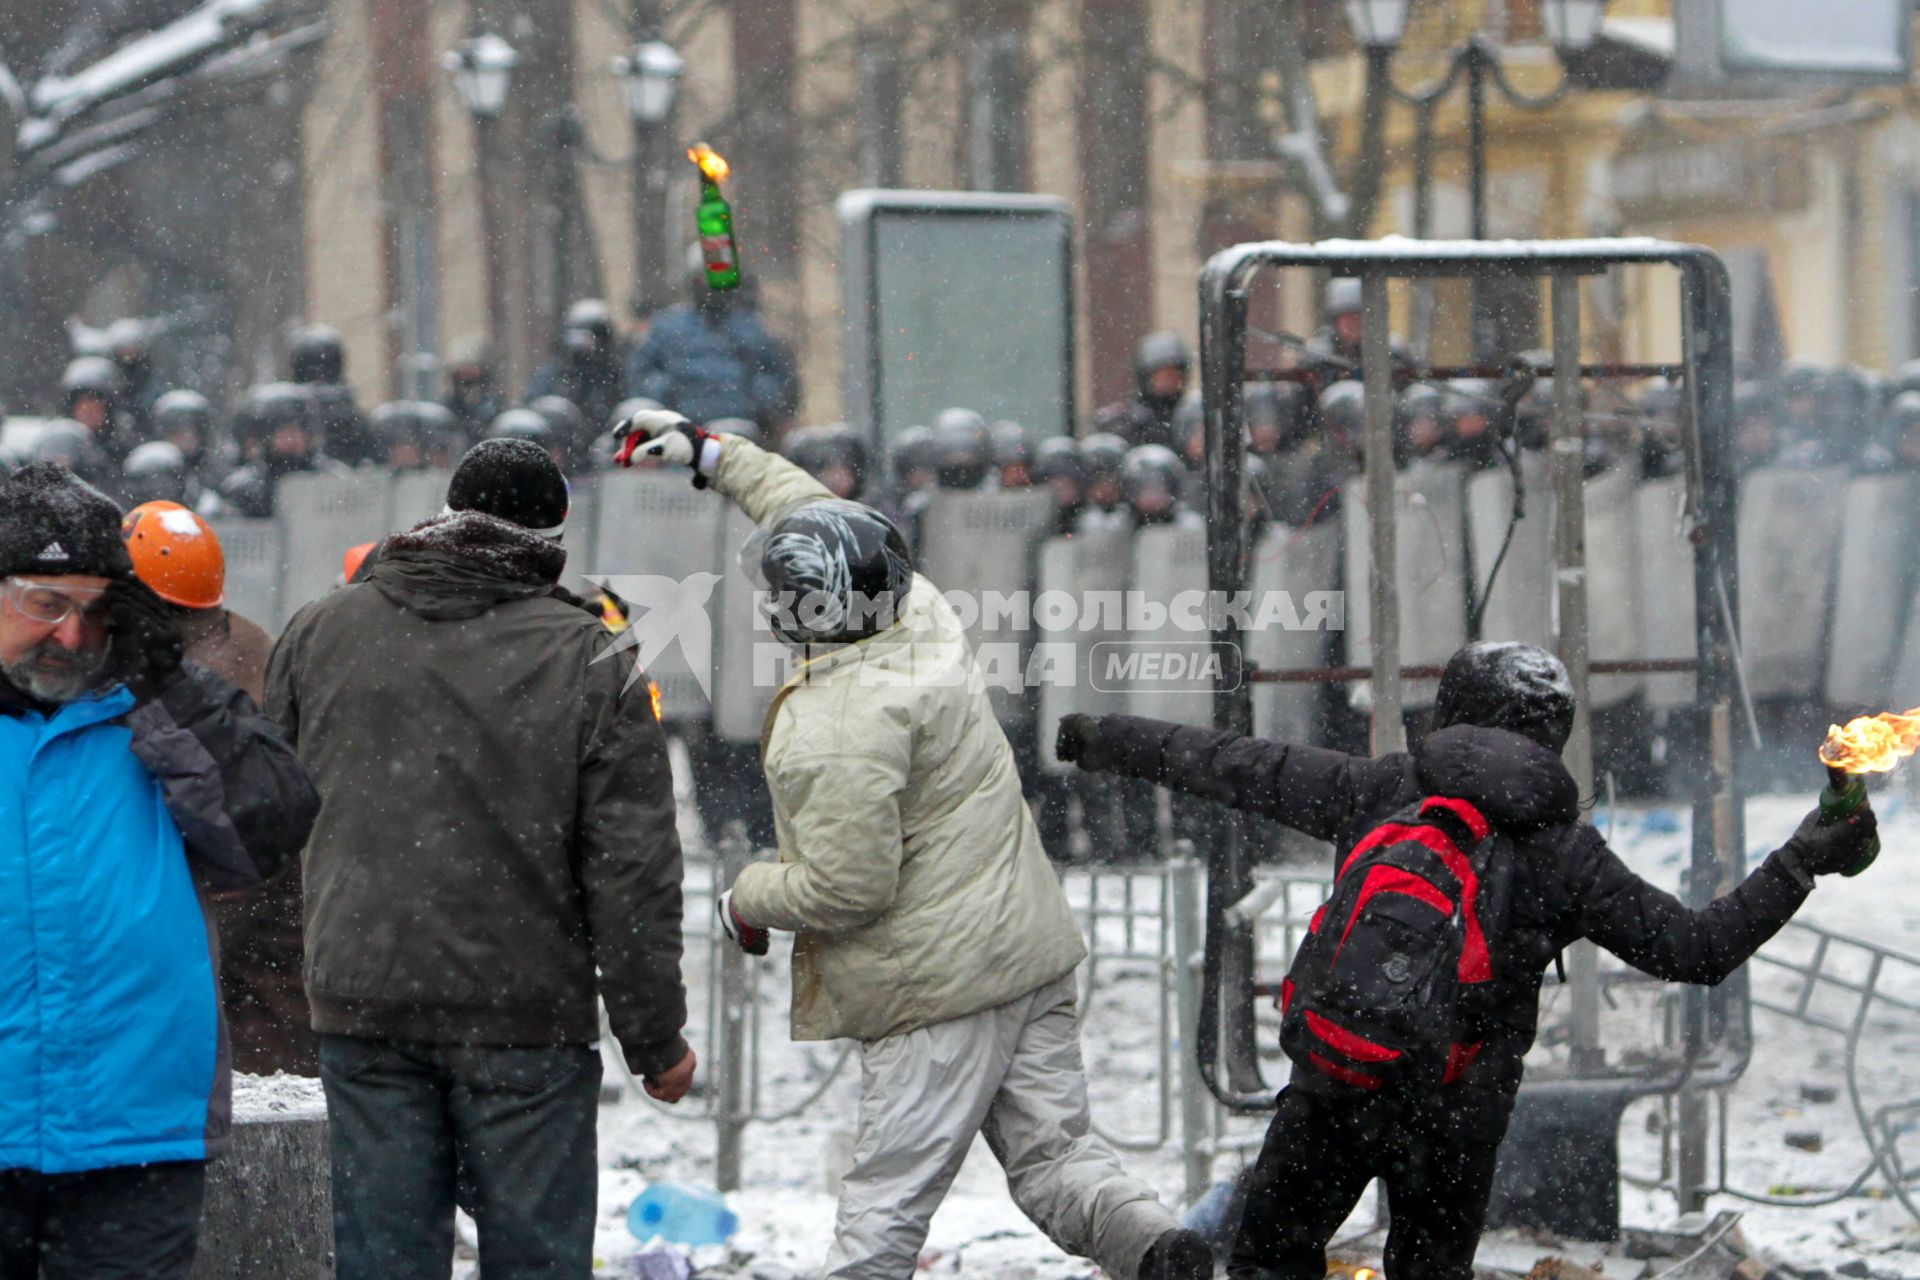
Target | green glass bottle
(714,217)
(1840,799)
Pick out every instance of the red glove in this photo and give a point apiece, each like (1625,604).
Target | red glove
(666,436)
(753,941)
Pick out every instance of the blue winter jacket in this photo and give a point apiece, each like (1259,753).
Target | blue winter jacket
(731,367)
(112,1046)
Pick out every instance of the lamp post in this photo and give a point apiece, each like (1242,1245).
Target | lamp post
(1571,27)
(649,75)
(1378,25)
(482,70)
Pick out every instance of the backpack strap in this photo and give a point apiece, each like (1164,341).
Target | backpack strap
(1460,810)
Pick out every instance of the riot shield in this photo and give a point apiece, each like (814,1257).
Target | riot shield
(749,662)
(1520,598)
(982,546)
(1789,550)
(252,550)
(1613,577)
(1665,586)
(656,543)
(1432,574)
(1296,563)
(1168,646)
(417,496)
(320,517)
(1872,592)
(1088,567)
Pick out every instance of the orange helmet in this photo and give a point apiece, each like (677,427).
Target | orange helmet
(355,557)
(176,554)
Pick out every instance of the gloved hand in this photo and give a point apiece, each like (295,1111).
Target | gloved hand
(144,644)
(1823,847)
(1074,742)
(751,940)
(669,437)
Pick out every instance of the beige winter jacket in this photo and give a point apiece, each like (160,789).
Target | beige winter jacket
(909,865)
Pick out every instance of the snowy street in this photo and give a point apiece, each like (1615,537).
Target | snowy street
(786,1209)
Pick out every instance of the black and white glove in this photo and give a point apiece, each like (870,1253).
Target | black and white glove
(665,436)
(1823,846)
(752,940)
(145,646)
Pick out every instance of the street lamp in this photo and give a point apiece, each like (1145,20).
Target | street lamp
(482,70)
(1572,25)
(649,75)
(650,80)
(1378,24)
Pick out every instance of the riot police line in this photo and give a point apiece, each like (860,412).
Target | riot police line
(1826,579)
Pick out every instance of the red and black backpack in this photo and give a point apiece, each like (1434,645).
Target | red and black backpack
(1381,994)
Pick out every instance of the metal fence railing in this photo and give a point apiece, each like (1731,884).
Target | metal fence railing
(1144,933)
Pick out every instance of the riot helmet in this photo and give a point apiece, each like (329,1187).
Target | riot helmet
(1160,364)
(156,471)
(961,448)
(317,355)
(1151,478)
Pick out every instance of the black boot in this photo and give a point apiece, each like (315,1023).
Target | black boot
(1178,1254)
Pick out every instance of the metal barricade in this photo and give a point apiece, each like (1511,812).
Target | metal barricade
(1140,924)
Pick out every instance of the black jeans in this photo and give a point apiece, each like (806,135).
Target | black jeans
(136,1221)
(514,1125)
(1321,1151)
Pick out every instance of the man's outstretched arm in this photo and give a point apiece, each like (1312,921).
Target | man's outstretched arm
(765,485)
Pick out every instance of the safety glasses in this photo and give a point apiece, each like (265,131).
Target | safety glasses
(50,606)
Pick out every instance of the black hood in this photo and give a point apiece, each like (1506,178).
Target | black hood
(1507,685)
(1512,779)
(458,566)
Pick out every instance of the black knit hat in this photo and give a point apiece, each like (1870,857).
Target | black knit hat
(54,523)
(515,480)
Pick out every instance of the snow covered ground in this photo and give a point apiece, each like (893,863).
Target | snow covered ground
(786,1205)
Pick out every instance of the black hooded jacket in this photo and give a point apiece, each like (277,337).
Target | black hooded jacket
(496,842)
(1567,884)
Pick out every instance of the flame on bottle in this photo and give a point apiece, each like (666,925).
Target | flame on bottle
(659,703)
(1872,744)
(712,164)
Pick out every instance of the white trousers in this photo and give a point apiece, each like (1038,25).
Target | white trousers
(1013,1073)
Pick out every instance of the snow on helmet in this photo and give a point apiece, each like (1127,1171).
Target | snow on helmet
(176,554)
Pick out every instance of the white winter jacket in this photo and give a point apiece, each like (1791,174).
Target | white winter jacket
(909,865)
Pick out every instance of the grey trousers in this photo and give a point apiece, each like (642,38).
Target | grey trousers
(1012,1073)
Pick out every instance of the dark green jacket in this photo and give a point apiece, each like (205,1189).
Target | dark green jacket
(496,815)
